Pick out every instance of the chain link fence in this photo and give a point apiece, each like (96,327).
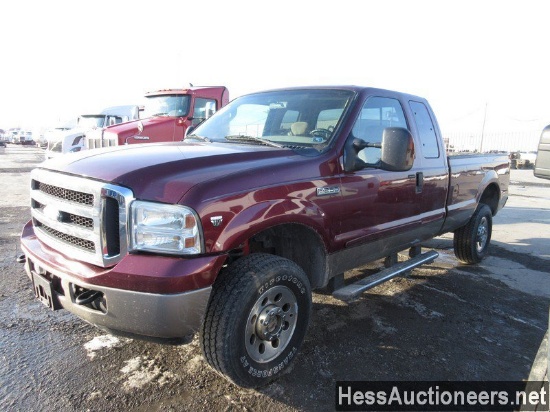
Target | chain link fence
(526,141)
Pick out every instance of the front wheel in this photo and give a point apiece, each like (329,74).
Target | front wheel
(256,319)
(471,241)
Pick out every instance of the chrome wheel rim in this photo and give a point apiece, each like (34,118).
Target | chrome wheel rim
(482,235)
(271,323)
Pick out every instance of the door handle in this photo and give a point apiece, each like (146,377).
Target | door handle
(419,182)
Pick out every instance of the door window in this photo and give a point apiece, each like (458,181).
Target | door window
(377,114)
(204,108)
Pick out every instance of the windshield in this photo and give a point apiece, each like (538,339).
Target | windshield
(91,122)
(297,119)
(173,105)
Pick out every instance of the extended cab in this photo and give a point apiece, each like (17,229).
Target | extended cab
(167,116)
(228,232)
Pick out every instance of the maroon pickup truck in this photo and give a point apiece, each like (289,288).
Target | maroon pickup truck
(228,232)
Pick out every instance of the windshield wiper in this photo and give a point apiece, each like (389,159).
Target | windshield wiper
(160,114)
(252,139)
(197,137)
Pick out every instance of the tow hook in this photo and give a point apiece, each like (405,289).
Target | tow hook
(21,258)
(87,297)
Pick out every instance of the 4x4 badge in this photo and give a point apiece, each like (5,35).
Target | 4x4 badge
(325,191)
(216,220)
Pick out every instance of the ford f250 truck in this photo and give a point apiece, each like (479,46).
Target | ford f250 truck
(167,116)
(227,233)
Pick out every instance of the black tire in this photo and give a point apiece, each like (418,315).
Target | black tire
(471,241)
(256,319)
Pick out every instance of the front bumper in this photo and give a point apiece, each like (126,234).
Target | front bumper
(127,298)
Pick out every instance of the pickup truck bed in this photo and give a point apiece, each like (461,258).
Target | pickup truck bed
(468,173)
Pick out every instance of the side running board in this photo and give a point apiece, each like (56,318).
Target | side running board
(352,291)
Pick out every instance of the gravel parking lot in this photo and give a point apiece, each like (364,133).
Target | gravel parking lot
(446,321)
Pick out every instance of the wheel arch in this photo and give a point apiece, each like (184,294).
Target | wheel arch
(298,243)
(491,197)
(292,229)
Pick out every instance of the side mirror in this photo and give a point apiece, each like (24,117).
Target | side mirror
(397,150)
(351,152)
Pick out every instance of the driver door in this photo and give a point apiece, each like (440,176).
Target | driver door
(382,207)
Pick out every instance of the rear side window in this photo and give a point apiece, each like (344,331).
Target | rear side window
(426,129)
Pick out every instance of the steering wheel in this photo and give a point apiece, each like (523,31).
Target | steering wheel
(324,133)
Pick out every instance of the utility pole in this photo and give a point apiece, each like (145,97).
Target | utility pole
(483,129)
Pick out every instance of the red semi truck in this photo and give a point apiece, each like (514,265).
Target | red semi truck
(166,117)
(228,232)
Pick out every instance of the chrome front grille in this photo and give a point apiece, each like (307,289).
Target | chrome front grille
(66,194)
(82,221)
(83,244)
(82,218)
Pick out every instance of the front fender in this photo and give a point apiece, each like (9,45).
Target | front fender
(238,226)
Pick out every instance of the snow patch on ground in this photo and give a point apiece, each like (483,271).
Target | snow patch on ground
(140,371)
(103,342)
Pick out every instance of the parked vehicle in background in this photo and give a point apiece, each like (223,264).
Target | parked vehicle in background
(54,134)
(73,140)
(167,115)
(542,164)
(21,137)
(26,138)
(12,135)
(228,232)
(523,160)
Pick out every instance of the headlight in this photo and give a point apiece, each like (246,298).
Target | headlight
(157,227)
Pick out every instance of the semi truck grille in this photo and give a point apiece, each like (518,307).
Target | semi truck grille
(81,218)
(97,142)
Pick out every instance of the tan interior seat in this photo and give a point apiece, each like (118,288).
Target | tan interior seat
(298,128)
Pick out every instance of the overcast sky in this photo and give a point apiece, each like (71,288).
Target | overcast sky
(63,58)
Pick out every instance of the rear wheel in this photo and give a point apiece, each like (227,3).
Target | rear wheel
(256,319)
(471,241)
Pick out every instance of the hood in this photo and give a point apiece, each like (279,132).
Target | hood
(164,172)
(131,128)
